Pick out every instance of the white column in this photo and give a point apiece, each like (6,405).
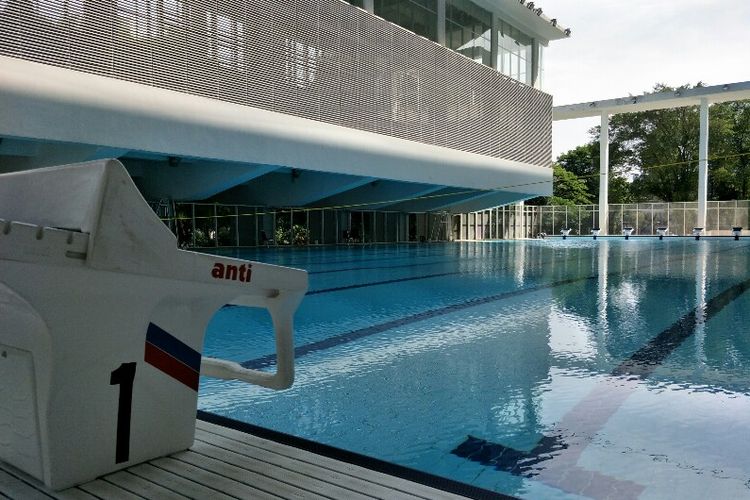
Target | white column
(535,63)
(369,6)
(604,174)
(494,40)
(703,166)
(441,22)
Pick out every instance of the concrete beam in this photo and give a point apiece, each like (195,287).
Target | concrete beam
(435,200)
(486,201)
(25,155)
(379,194)
(190,180)
(291,188)
(49,104)
(661,100)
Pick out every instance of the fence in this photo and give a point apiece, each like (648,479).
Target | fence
(219,225)
(529,221)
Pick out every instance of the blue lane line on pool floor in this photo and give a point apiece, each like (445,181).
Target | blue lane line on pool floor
(369,268)
(645,360)
(641,364)
(384,282)
(327,343)
(270,359)
(414,278)
(371,257)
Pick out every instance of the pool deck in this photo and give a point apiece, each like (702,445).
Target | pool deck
(225,463)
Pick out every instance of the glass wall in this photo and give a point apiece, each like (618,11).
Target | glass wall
(468,30)
(219,225)
(418,16)
(514,53)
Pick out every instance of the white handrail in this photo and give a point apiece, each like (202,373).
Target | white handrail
(282,310)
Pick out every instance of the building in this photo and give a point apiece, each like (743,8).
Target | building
(364,113)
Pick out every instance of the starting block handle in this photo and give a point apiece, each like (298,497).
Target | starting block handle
(282,313)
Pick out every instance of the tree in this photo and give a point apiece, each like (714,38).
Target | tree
(583,161)
(729,138)
(567,189)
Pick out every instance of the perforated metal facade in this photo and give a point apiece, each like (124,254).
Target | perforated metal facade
(319,59)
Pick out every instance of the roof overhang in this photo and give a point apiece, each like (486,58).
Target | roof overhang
(519,14)
(648,102)
(47,103)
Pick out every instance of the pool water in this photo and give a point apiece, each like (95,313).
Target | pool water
(540,369)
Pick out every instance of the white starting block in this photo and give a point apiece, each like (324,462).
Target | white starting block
(102,322)
(627,231)
(697,232)
(736,232)
(595,232)
(565,233)
(662,231)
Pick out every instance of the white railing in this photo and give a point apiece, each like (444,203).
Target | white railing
(514,221)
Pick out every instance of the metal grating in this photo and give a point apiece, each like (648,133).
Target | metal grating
(320,59)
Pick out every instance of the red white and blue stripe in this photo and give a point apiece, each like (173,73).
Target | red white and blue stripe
(172,356)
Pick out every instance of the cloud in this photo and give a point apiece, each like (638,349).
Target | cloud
(620,48)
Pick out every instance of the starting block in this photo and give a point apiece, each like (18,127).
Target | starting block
(103,320)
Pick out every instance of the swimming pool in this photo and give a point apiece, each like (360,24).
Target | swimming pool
(540,369)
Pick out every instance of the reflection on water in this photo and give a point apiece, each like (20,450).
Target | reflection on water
(541,369)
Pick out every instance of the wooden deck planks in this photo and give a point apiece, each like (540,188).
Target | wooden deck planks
(182,485)
(226,464)
(13,487)
(392,483)
(103,489)
(142,487)
(360,487)
(212,480)
(287,476)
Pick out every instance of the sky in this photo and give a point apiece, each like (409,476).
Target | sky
(623,47)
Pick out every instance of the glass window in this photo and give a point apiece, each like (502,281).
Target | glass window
(301,63)
(419,16)
(514,53)
(468,30)
(55,10)
(227,40)
(174,12)
(358,3)
(540,68)
(141,17)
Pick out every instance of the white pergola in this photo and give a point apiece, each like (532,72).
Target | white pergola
(702,96)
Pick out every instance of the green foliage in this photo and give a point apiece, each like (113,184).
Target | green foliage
(295,235)
(729,136)
(620,190)
(568,189)
(583,161)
